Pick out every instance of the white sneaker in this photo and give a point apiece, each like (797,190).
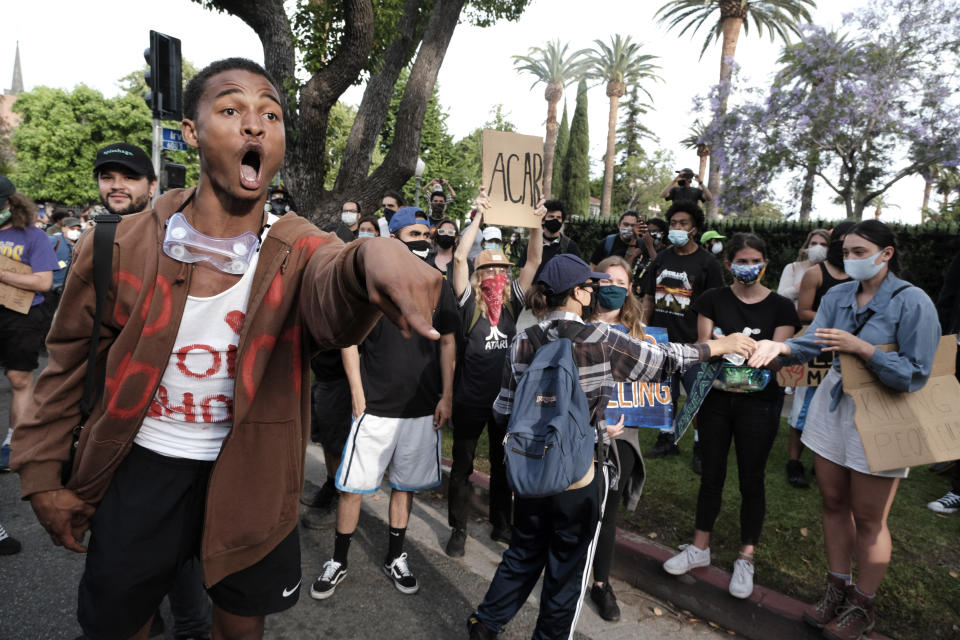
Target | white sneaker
(690,558)
(741,583)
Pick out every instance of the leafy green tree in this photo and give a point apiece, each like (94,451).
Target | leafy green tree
(336,45)
(640,180)
(779,18)
(552,66)
(59,134)
(558,188)
(576,169)
(619,64)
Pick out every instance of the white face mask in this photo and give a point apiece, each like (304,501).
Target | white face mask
(349,218)
(816,253)
(863,269)
(72,234)
(717,248)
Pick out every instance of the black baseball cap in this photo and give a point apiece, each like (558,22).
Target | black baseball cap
(126,155)
(566,271)
(6,190)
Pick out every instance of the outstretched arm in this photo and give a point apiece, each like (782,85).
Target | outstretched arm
(461,269)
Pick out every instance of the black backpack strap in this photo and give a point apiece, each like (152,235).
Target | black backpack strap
(103,235)
(870,312)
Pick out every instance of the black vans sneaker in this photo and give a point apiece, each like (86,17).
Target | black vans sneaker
(398,571)
(326,584)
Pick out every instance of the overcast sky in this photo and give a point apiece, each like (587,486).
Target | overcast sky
(65,43)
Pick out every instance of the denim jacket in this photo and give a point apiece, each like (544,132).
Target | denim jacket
(908,319)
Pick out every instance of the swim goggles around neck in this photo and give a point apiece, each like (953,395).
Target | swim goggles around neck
(230,255)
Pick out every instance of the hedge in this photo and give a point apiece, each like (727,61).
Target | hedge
(925,250)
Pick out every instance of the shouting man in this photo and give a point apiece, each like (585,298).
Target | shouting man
(197,445)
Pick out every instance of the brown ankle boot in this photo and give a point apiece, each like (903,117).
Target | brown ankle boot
(820,614)
(854,619)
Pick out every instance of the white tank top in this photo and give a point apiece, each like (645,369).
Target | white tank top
(192,411)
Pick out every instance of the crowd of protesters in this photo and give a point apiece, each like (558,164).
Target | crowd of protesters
(230,327)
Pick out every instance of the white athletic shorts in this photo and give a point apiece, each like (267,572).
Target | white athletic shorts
(409,447)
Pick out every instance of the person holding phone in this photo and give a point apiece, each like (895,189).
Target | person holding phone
(681,189)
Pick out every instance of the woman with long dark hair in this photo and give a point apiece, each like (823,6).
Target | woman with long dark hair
(855,318)
(743,408)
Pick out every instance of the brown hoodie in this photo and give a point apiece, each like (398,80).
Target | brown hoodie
(306,294)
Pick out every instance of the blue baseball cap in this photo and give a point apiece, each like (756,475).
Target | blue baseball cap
(566,271)
(404,218)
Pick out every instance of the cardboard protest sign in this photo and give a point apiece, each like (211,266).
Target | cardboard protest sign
(513,176)
(906,429)
(11,297)
(809,374)
(643,404)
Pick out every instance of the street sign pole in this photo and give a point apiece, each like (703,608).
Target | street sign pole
(156,154)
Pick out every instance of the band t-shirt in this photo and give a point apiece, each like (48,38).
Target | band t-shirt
(484,349)
(401,376)
(676,281)
(733,315)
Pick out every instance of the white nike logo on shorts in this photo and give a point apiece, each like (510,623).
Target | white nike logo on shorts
(289,592)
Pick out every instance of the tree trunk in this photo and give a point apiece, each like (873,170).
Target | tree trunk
(703,152)
(928,181)
(806,193)
(614,91)
(552,94)
(731,34)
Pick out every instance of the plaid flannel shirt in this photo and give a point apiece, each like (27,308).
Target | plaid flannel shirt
(604,356)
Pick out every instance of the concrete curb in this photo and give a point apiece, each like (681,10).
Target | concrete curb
(703,592)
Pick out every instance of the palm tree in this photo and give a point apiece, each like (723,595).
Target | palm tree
(552,66)
(779,18)
(620,63)
(696,140)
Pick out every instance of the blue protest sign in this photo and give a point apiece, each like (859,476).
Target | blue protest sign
(643,404)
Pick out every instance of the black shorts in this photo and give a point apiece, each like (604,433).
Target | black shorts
(331,414)
(21,336)
(149,523)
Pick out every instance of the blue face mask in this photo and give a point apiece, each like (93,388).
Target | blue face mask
(491,246)
(747,273)
(366,234)
(611,297)
(863,269)
(678,237)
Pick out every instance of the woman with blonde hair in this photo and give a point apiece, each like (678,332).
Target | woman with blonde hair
(813,251)
(489,305)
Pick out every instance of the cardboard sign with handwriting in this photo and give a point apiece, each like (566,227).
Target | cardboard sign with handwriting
(809,374)
(513,176)
(906,429)
(11,297)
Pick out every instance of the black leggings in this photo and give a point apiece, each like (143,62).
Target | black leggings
(608,528)
(751,422)
(468,424)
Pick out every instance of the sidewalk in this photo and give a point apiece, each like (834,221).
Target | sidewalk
(702,592)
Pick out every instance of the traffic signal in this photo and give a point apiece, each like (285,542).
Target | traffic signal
(163,76)
(173,176)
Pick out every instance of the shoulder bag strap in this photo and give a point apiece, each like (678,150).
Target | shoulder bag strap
(103,235)
(870,312)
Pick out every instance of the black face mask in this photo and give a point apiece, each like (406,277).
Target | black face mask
(419,248)
(591,307)
(437,209)
(553,225)
(445,242)
(388,213)
(835,254)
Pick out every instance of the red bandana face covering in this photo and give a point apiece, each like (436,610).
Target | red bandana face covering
(492,290)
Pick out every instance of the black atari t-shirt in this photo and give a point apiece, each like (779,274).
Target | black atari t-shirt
(484,349)
(760,319)
(401,376)
(676,281)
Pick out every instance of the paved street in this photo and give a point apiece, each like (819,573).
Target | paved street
(38,586)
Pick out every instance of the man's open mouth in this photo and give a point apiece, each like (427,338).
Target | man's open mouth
(250,169)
